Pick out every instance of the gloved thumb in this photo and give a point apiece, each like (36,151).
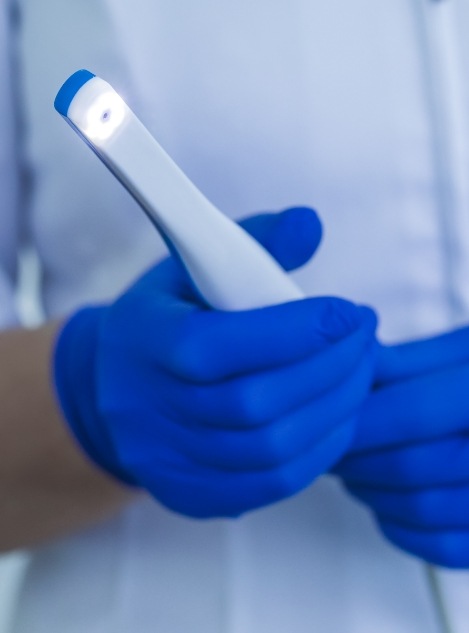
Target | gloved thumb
(291,236)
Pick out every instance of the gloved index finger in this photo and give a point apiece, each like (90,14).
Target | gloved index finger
(421,409)
(212,346)
(407,360)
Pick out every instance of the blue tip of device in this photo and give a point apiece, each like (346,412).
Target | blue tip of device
(70,88)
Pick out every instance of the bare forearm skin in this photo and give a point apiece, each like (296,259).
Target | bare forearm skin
(48,488)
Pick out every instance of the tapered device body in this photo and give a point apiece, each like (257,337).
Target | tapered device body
(230,270)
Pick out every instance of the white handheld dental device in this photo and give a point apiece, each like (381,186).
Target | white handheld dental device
(228,267)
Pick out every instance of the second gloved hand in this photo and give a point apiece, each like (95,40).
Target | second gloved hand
(410,458)
(217,413)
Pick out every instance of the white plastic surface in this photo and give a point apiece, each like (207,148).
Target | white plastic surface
(228,267)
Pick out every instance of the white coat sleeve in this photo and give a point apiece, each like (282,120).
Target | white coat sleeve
(10,169)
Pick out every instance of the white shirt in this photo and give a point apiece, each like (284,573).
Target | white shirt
(358,108)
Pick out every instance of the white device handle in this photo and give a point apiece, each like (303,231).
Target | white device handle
(228,267)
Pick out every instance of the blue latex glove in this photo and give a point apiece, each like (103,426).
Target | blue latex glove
(217,413)
(410,459)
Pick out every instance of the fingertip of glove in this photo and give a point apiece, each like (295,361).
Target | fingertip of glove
(291,236)
(304,219)
(302,228)
(369,318)
(339,318)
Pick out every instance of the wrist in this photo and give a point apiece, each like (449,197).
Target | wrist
(74,378)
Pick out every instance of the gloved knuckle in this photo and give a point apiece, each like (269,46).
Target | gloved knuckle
(248,404)
(272,449)
(423,510)
(283,483)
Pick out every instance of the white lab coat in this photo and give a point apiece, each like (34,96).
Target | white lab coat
(356,107)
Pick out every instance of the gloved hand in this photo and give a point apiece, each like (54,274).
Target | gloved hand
(217,413)
(410,458)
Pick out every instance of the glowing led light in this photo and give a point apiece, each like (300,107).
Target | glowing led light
(104,116)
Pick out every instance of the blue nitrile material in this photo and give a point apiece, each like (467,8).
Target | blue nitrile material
(217,413)
(70,88)
(410,458)
(81,332)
